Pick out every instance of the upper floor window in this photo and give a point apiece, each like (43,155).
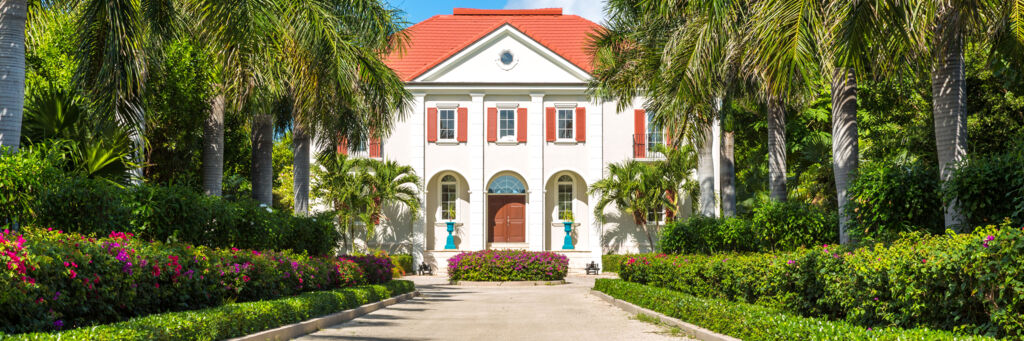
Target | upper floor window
(654,133)
(359,147)
(448,197)
(506,124)
(565,124)
(446,124)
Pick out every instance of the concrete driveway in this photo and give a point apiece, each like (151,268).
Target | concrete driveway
(445,312)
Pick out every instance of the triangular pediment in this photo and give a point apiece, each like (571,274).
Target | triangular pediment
(506,55)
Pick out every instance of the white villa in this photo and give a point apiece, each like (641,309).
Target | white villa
(506,138)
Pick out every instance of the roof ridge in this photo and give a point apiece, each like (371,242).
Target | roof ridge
(537,11)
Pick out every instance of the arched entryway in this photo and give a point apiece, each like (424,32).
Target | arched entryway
(506,209)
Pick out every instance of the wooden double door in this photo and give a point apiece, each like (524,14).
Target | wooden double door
(506,221)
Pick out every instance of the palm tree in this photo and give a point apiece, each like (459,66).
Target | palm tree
(338,84)
(677,172)
(387,184)
(636,188)
(13,14)
(651,49)
(241,36)
(339,183)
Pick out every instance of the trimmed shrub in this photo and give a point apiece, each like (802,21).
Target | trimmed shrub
(52,280)
(22,177)
(402,262)
(775,226)
(83,205)
(179,214)
(611,263)
(700,234)
(988,189)
(376,269)
(887,198)
(791,224)
(231,320)
(507,265)
(754,322)
(953,282)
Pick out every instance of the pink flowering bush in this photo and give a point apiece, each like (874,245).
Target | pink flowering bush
(507,265)
(51,280)
(377,268)
(970,283)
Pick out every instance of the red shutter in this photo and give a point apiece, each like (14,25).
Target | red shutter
(668,138)
(492,124)
(431,124)
(343,146)
(581,124)
(521,125)
(374,147)
(463,114)
(639,133)
(550,113)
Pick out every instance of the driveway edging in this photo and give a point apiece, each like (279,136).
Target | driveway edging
(693,330)
(294,330)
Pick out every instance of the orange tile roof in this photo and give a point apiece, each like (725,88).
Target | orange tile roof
(440,37)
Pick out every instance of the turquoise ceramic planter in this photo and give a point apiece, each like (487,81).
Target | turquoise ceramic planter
(450,242)
(567,245)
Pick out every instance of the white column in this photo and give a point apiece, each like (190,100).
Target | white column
(595,168)
(535,172)
(417,143)
(477,180)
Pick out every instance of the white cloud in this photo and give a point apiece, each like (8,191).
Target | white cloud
(590,9)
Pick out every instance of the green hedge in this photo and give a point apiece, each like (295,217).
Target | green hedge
(774,226)
(403,261)
(178,214)
(969,283)
(231,320)
(752,322)
(610,263)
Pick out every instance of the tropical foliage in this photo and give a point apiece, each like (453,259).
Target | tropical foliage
(648,192)
(359,189)
(906,284)
(54,280)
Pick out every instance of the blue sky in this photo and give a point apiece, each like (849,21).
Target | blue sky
(418,10)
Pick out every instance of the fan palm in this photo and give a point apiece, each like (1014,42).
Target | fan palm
(389,184)
(340,185)
(636,188)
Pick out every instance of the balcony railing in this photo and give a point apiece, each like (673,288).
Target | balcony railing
(644,145)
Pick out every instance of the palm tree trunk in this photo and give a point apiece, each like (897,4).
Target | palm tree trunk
(728,174)
(949,102)
(13,14)
(213,147)
(845,149)
(776,150)
(706,173)
(300,144)
(263,159)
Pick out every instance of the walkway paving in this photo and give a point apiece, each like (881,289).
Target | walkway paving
(445,312)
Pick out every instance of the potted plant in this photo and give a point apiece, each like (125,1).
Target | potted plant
(567,221)
(450,242)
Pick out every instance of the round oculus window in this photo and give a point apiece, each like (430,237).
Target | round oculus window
(507,58)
